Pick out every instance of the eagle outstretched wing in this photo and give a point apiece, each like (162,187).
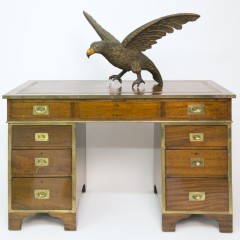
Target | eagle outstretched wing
(145,36)
(103,34)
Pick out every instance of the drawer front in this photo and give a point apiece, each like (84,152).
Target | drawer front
(42,162)
(40,110)
(41,136)
(42,193)
(197,194)
(196,136)
(110,110)
(197,110)
(196,163)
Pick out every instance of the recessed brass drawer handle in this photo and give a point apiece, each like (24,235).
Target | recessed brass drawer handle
(196,137)
(41,137)
(197,162)
(196,109)
(41,110)
(116,105)
(41,162)
(41,194)
(196,196)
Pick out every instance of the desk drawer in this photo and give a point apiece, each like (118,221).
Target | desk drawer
(127,110)
(197,136)
(40,110)
(41,193)
(41,136)
(197,194)
(42,162)
(197,110)
(196,163)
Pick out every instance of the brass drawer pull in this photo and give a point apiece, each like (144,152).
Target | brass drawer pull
(41,194)
(41,110)
(196,196)
(116,105)
(41,162)
(197,162)
(41,137)
(196,109)
(196,137)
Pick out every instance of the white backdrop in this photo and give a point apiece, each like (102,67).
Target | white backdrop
(48,39)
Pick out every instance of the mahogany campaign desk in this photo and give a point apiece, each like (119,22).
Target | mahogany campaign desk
(192,144)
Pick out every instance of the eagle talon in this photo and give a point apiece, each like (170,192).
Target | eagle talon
(138,82)
(115,77)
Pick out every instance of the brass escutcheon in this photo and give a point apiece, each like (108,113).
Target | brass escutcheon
(197,162)
(196,196)
(41,162)
(41,137)
(196,109)
(41,110)
(41,194)
(196,137)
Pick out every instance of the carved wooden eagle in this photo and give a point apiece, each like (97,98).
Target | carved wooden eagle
(127,55)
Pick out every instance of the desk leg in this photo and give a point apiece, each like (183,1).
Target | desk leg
(224,221)
(15,220)
(69,220)
(169,221)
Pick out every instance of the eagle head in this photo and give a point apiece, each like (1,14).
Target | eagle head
(96,47)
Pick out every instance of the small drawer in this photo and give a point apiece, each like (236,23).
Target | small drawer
(197,194)
(42,162)
(196,136)
(40,110)
(42,193)
(196,163)
(126,110)
(41,136)
(197,110)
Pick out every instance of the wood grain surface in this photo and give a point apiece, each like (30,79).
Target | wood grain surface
(215,137)
(216,192)
(178,163)
(59,163)
(23,193)
(24,136)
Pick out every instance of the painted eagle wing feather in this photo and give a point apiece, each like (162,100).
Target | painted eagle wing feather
(103,34)
(145,36)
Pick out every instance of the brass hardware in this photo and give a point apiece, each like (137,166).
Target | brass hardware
(116,105)
(41,194)
(41,137)
(196,196)
(197,162)
(196,109)
(41,110)
(196,137)
(33,123)
(41,162)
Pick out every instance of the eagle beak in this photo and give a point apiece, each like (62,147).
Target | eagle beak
(90,51)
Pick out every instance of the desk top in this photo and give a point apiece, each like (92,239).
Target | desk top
(101,89)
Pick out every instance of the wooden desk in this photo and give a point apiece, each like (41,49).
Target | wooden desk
(192,159)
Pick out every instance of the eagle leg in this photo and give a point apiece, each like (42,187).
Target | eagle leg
(118,77)
(138,81)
